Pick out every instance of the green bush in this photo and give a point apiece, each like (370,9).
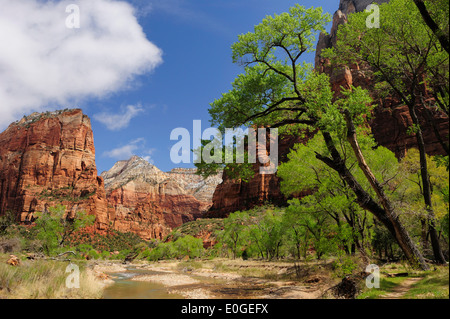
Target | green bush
(105,254)
(344,266)
(84,248)
(188,246)
(162,251)
(183,246)
(93,254)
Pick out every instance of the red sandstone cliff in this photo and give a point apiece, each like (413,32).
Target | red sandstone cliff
(49,159)
(151,203)
(233,195)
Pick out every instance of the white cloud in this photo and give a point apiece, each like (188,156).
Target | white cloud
(45,64)
(115,122)
(134,147)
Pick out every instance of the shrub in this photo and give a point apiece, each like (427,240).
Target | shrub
(34,246)
(188,246)
(105,254)
(162,251)
(344,266)
(10,245)
(183,246)
(93,254)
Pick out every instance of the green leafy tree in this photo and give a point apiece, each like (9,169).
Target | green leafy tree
(189,246)
(409,191)
(402,53)
(330,194)
(278,91)
(267,234)
(296,235)
(182,247)
(54,227)
(233,235)
(438,24)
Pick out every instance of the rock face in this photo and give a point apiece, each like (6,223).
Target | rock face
(389,126)
(391,118)
(346,7)
(233,195)
(48,159)
(144,200)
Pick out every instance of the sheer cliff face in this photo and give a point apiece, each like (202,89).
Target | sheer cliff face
(48,159)
(149,202)
(233,195)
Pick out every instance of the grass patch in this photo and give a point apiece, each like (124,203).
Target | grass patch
(190,265)
(43,279)
(387,285)
(435,285)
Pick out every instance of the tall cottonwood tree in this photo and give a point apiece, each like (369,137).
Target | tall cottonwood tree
(402,53)
(277,90)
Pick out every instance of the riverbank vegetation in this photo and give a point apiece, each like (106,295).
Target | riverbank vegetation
(46,279)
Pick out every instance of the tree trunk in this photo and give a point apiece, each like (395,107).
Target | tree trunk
(437,251)
(387,217)
(443,38)
(424,234)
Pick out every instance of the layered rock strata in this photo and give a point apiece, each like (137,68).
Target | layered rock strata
(151,203)
(48,159)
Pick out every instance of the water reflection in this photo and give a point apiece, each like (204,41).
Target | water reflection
(125,288)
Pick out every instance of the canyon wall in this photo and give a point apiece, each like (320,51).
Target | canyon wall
(233,195)
(48,159)
(144,200)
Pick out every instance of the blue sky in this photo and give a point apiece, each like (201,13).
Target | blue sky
(195,37)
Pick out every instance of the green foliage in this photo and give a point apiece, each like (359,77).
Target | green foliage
(384,242)
(267,234)
(198,226)
(6,220)
(442,161)
(182,247)
(399,52)
(54,227)
(233,235)
(188,246)
(408,195)
(272,233)
(344,266)
(329,218)
(111,241)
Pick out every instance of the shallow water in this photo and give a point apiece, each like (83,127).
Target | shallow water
(125,288)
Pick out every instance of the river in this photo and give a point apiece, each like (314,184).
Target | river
(126,288)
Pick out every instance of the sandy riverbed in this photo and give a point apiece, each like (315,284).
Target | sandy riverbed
(208,281)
